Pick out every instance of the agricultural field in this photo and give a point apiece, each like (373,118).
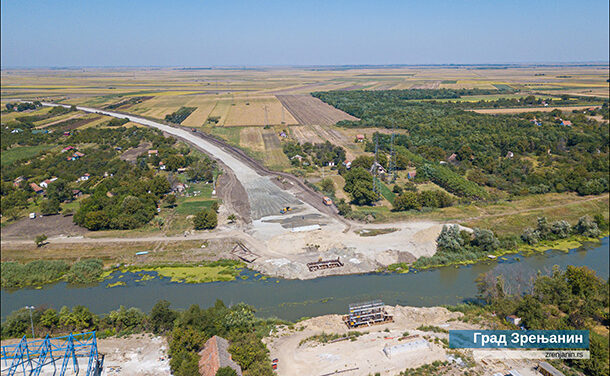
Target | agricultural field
(309,111)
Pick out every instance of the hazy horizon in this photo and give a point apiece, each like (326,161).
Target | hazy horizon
(113,34)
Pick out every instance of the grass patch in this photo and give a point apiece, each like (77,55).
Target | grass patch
(22,152)
(193,207)
(329,337)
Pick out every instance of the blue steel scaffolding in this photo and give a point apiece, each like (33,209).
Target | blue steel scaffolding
(29,357)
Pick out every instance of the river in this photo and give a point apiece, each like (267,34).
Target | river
(293,299)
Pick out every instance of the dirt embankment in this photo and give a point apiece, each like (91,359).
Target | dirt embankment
(284,180)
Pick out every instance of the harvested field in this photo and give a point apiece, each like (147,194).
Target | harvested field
(308,110)
(51,225)
(221,110)
(274,155)
(200,115)
(252,138)
(61,120)
(132,154)
(258,111)
(529,109)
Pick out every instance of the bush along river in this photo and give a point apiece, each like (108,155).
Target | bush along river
(294,299)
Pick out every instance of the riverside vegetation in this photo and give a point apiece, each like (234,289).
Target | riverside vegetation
(574,298)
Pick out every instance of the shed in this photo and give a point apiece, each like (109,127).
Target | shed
(359,137)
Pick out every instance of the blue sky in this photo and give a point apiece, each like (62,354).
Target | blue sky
(40,33)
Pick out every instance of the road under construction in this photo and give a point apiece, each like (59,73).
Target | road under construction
(282,239)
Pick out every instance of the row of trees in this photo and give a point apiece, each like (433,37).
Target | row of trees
(187,331)
(545,230)
(411,200)
(179,115)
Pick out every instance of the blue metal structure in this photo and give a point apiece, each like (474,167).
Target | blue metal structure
(30,357)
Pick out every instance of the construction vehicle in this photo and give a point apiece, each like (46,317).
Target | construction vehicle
(285,210)
(327,201)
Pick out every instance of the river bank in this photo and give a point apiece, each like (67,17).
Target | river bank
(565,245)
(293,299)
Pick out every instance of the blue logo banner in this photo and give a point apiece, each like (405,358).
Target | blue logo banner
(519,339)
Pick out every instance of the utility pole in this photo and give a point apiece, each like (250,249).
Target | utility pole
(376,187)
(30,308)
(266,116)
(392,163)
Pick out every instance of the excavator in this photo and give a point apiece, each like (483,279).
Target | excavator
(285,210)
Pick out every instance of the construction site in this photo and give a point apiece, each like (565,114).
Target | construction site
(276,208)
(377,339)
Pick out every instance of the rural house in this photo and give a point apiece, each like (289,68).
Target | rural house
(46,182)
(67,148)
(36,188)
(85,177)
(76,193)
(153,152)
(359,138)
(17,181)
(215,355)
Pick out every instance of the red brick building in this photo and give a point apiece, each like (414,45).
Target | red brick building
(215,355)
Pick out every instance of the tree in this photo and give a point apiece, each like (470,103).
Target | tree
(170,200)
(205,220)
(40,240)
(49,318)
(159,185)
(49,207)
(202,170)
(215,206)
(485,240)
(231,218)
(362,193)
(343,207)
(530,236)
(587,227)
(406,201)
(162,317)
(327,186)
(450,239)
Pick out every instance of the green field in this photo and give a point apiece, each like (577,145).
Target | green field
(22,152)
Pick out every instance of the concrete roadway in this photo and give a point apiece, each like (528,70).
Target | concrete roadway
(264,196)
